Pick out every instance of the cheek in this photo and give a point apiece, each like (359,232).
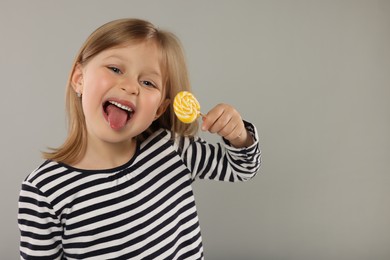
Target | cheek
(153,103)
(89,105)
(98,86)
(94,91)
(98,80)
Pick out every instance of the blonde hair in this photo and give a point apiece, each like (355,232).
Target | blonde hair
(113,34)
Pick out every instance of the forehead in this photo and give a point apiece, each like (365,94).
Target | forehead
(147,51)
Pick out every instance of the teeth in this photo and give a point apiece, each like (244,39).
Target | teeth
(121,106)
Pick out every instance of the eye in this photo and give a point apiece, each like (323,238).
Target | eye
(148,83)
(115,69)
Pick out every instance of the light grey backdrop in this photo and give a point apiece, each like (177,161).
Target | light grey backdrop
(314,76)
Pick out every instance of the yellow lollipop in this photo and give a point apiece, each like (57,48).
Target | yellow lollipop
(186,107)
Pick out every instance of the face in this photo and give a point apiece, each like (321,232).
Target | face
(122,92)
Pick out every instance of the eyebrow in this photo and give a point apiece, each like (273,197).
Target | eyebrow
(114,56)
(153,72)
(149,71)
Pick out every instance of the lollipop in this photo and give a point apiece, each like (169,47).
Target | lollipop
(186,107)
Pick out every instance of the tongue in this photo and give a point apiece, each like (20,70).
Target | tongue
(116,117)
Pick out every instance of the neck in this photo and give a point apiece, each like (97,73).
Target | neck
(105,155)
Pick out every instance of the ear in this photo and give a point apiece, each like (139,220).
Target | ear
(164,105)
(77,79)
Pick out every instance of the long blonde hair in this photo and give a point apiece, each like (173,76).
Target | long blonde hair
(110,35)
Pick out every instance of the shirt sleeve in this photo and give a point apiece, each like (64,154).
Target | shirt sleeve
(39,225)
(221,161)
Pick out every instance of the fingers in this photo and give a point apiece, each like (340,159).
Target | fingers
(225,121)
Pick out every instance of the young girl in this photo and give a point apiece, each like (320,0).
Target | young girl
(120,185)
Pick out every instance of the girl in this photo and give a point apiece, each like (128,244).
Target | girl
(120,185)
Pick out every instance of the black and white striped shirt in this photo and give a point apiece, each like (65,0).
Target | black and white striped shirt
(144,209)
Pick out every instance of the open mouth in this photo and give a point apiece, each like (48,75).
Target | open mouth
(117,114)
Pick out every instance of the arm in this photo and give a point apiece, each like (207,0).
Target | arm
(237,159)
(39,226)
(222,161)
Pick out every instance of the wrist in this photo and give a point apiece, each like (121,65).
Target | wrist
(244,140)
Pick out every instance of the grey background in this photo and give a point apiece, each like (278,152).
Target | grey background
(313,76)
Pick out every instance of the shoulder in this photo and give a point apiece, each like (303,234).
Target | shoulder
(164,138)
(45,170)
(48,175)
(157,138)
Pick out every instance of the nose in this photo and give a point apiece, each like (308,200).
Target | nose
(130,86)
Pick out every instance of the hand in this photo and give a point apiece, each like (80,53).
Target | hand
(225,120)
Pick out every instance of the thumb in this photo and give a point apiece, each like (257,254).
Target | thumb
(205,123)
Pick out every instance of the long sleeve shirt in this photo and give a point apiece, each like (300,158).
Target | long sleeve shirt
(144,209)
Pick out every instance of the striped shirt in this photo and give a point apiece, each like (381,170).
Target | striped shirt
(144,209)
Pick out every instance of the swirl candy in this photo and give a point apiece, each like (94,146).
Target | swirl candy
(186,107)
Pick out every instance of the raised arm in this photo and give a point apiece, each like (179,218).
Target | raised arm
(221,161)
